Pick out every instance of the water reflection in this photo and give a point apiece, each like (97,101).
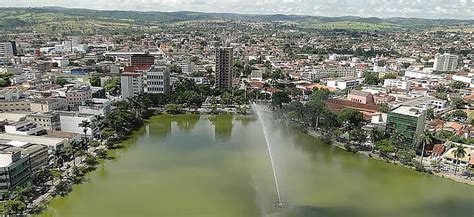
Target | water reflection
(186,122)
(222,127)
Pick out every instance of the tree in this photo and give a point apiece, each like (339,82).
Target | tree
(426,139)
(61,81)
(95,81)
(321,94)
(457,102)
(430,114)
(459,152)
(398,137)
(41,177)
(458,115)
(279,98)
(359,136)
(384,107)
(371,78)
(457,85)
(350,118)
(14,207)
(406,156)
(63,188)
(85,125)
(295,110)
(175,69)
(313,111)
(385,146)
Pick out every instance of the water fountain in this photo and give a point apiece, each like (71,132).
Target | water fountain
(279,203)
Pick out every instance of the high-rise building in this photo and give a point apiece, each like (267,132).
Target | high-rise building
(158,80)
(445,62)
(142,59)
(7,50)
(408,120)
(131,84)
(224,64)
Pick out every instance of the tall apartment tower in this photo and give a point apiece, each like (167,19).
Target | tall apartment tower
(445,62)
(131,84)
(7,49)
(224,64)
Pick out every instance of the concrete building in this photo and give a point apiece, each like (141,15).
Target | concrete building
(187,67)
(14,106)
(257,75)
(15,170)
(70,122)
(101,107)
(61,61)
(142,59)
(360,97)
(468,79)
(24,128)
(408,120)
(47,120)
(131,84)
(397,83)
(48,105)
(224,64)
(158,80)
(7,49)
(76,96)
(427,102)
(343,83)
(333,72)
(49,141)
(39,157)
(445,62)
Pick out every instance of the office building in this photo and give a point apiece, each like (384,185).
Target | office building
(15,170)
(408,120)
(131,84)
(47,120)
(158,80)
(224,64)
(445,62)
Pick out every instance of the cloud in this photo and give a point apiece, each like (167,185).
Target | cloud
(458,9)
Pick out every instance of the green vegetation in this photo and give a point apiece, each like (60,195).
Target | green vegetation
(88,22)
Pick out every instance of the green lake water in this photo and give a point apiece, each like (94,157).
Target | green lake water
(218,166)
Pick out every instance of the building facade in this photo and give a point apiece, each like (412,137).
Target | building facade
(445,62)
(48,105)
(408,120)
(7,50)
(47,120)
(15,170)
(14,106)
(131,84)
(224,64)
(77,96)
(158,80)
(141,59)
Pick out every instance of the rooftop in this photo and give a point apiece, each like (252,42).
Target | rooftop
(409,111)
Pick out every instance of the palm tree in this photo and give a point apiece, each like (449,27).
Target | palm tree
(75,147)
(85,124)
(426,139)
(398,138)
(458,152)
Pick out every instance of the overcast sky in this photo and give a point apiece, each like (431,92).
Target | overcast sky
(458,9)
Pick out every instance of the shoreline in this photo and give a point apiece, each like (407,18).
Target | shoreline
(398,163)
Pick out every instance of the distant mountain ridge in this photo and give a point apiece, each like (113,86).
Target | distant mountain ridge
(29,18)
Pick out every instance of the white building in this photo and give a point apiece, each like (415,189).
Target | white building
(445,62)
(70,122)
(333,72)
(61,61)
(468,79)
(187,67)
(158,80)
(131,84)
(96,106)
(257,75)
(397,83)
(343,84)
(24,128)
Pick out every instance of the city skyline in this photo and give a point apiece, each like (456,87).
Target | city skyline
(431,9)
